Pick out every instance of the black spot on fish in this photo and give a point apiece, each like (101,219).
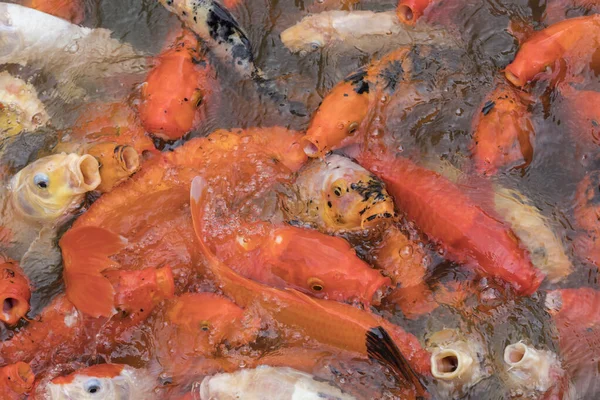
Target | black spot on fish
(487,107)
(357,77)
(362,87)
(329,204)
(392,74)
(373,189)
(222,27)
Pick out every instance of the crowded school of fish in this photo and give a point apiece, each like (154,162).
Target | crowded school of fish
(148,254)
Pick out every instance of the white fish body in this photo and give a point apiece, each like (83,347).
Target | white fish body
(264,382)
(65,50)
(21,104)
(350,29)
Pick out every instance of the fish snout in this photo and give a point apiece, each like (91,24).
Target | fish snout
(14,294)
(117,163)
(531,369)
(374,292)
(311,147)
(19,376)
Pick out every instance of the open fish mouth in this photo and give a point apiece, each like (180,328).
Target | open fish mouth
(85,173)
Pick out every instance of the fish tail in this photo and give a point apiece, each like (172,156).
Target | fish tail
(268,87)
(381,348)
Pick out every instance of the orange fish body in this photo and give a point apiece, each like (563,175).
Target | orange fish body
(175,89)
(15,380)
(145,220)
(575,307)
(503,132)
(404,261)
(329,322)
(194,326)
(14,292)
(448,216)
(572,41)
(344,110)
(62,333)
(111,122)
(409,11)
(71,10)
(303,259)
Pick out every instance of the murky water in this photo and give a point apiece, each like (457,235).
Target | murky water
(439,127)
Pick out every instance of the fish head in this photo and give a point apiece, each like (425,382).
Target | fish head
(117,162)
(202,321)
(305,37)
(14,293)
(98,382)
(52,186)
(339,116)
(323,266)
(17,377)
(353,197)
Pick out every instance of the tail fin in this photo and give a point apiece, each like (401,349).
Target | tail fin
(85,255)
(381,347)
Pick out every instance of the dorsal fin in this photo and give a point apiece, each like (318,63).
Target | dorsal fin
(381,348)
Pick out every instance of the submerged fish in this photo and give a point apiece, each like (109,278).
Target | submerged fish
(101,382)
(175,89)
(367,31)
(336,194)
(75,55)
(14,293)
(15,380)
(20,107)
(280,383)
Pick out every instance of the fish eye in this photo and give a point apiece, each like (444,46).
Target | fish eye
(337,191)
(92,386)
(199,99)
(204,326)
(41,180)
(352,128)
(316,285)
(315,45)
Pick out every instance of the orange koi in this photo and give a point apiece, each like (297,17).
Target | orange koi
(15,380)
(329,322)
(572,41)
(340,116)
(404,261)
(14,292)
(409,11)
(62,333)
(503,132)
(451,218)
(587,213)
(575,307)
(110,122)
(194,325)
(71,10)
(175,88)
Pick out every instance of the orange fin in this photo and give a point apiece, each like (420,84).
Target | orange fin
(85,253)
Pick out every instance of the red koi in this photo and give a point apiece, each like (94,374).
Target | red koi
(15,380)
(409,11)
(448,216)
(14,292)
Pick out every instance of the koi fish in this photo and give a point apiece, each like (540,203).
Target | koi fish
(573,40)
(15,380)
(109,122)
(409,11)
(117,163)
(175,88)
(282,383)
(20,107)
(503,132)
(62,332)
(448,216)
(14,292)
(355,330)
(215,25)
(587,242)
(71,10)
(194,326)
(342,112)
(456,362)
(336,194)
(102,381)
(364,30)
(574,307)
(73,54)
(405,262)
